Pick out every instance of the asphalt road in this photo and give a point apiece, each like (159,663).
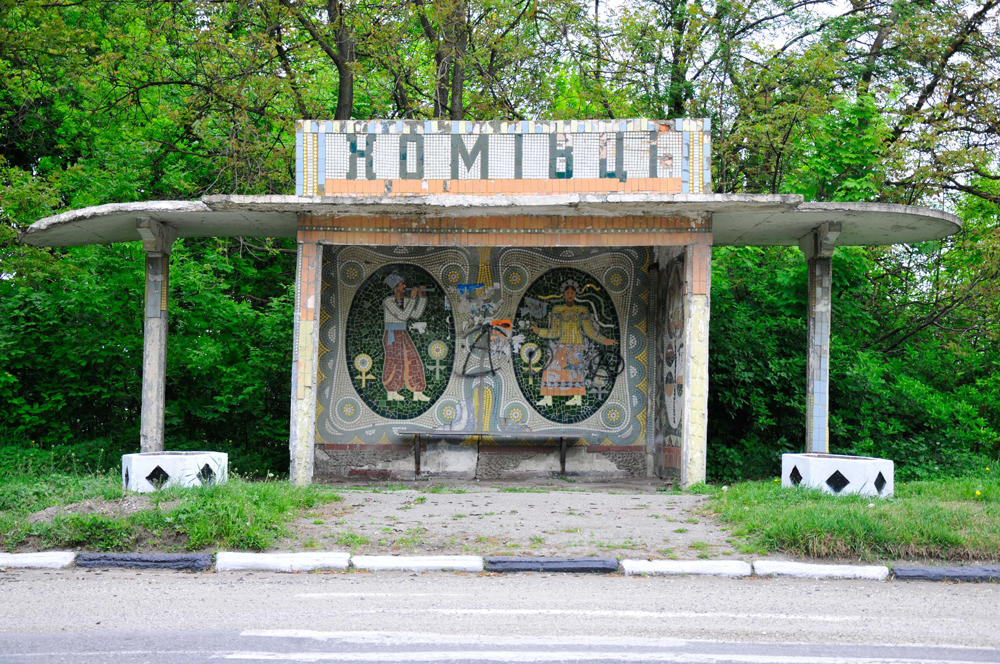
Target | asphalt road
(126,616)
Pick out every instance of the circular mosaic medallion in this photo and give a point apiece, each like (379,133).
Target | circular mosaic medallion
(348,409)
(515,278)
(397,316)
(447,411)
(571,337)
(352,273)
(516,413)
(613,416)
(363,363)
(452,275)
(616,279)
(438,350)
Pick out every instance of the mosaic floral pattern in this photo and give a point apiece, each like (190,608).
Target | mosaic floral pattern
(670,369)
(400,338)
(570,320)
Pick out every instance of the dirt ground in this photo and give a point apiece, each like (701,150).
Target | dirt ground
(553,518)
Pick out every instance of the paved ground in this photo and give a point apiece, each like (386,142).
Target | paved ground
(552,518)
(128,616)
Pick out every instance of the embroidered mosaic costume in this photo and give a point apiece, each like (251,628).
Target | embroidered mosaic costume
(403,365)
(565,373)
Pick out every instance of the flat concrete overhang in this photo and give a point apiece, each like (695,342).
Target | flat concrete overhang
(737,219)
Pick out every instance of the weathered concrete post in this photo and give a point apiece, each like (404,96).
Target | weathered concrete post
(818,248)
(157,240)
(697,292)
(308,285)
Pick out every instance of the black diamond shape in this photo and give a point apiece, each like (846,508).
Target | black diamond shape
(126,479)
(880,483)
(206,475)
(795,476)
(158,477)
(837,482)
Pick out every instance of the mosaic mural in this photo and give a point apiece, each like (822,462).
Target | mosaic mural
(670,354)
(547,342)
(569,360)
(400,339)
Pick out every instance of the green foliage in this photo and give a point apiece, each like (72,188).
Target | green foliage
(942,520)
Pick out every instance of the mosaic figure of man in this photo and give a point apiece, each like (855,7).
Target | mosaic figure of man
(403,366)
(565,373)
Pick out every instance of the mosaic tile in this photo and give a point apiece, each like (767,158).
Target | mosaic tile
(400,341)
(492,285)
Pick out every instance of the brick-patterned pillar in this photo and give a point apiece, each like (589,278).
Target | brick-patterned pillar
(698,288)
(308,275)
(157,240)
(818,248)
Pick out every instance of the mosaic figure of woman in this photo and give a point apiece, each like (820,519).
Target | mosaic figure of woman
(403,366)
(566,372)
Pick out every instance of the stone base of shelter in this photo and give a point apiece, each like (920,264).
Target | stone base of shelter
(484,462)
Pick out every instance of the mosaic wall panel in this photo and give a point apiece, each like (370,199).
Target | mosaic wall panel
(540,342)
(660,155)
(670,369)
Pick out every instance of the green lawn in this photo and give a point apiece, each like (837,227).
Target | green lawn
(240,514)
(947,520)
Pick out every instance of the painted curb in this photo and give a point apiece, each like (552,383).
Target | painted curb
(227,561)
(529,564)
(194,562)
(814,571)
(45,560)
(730,568)
(929,573)
(418,563)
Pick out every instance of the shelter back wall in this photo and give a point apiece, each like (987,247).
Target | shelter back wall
(491,343)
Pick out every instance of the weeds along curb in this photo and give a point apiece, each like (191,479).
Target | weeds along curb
(928,573)
(569,565)
(815,571)
(730,568)
(281,562)
(418,563)
(192,562)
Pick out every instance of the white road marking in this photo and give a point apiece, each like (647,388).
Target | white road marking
(594,613)
(564,656)
(415,638)
(317,595)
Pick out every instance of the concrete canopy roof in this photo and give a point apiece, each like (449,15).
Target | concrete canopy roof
(737,219)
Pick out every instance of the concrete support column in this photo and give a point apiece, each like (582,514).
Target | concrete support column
(308,286)
(818,247)
(157,240)
(698,289)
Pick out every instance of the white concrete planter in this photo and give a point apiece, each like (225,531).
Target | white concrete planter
(149,471)
(839,474)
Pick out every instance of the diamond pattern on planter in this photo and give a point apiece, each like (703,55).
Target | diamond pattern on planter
(158,477)
(880,482)
(206,475)
(795,476)
(837,482)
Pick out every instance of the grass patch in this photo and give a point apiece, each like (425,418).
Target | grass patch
(238,515)
(951,519)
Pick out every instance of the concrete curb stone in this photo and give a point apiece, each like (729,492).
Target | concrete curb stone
(194,562)
(418,563)
(931,573)
(531,564)
(730,568)
(815,571)
(43,560)
(227,561)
